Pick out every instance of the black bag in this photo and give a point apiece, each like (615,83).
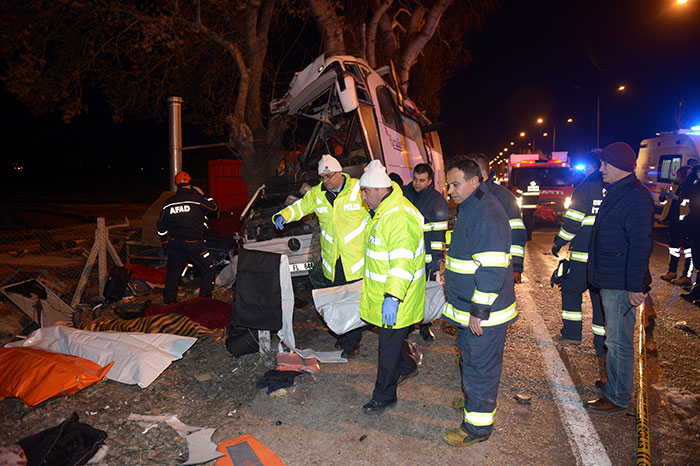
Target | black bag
(240,341)
(116,284)
(68,444)
(258,300)
(138,287)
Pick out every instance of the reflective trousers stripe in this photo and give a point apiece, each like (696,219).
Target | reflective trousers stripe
(571,315)
(479,419)
(598,330)
(495,317)
(578,256)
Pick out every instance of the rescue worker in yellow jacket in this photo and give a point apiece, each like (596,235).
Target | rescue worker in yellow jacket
(343,217)
(393,290)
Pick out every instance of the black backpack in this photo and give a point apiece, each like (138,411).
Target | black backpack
(116,284)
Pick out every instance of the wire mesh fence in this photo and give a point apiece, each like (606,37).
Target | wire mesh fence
(57,257)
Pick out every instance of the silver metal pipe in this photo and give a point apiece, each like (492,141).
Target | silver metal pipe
(175,138)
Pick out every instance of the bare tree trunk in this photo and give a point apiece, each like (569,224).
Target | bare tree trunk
(330,25)
(258,18)
(414,45)
(372,32)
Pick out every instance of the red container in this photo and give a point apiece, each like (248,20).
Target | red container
(226,186)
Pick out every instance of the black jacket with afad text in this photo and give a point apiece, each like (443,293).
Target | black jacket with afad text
(621,240)
(182,215)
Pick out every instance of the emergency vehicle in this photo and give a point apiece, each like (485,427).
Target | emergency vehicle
(542,186)
(340,106)
(660,158)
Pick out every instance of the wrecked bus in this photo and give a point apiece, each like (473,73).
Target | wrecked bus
(341,106)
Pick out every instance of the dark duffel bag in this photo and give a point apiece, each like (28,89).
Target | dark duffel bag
(116,284)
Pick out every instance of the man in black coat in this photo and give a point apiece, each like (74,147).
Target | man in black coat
(181,227)
(621,244)
(691,192)
(433,206)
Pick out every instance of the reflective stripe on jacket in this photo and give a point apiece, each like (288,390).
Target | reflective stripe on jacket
(342,226)
(518,233)
(478,273)
(394,261)
(580,217)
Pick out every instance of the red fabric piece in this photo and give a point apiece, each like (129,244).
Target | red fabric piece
(149,274)
(546,213)
(212,313)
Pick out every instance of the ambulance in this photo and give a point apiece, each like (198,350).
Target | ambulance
(338,105)
(660,158)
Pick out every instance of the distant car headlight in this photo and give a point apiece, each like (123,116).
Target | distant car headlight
(567,202)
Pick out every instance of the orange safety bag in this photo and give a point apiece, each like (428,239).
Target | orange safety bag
(246,450)
(35,375)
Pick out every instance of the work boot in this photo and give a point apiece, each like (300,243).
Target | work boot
(566,341)
(681,281)
(693,294)
(668,276)
(427,334)
(602,373)
(377,407)
(458,404)
(351,352)
(459,438)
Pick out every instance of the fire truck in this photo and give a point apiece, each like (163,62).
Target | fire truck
(543,186)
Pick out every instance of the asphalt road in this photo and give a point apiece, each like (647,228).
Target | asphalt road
(553,429)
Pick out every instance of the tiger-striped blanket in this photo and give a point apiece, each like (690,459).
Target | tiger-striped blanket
(162,323)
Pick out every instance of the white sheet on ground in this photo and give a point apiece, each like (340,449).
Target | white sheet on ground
(339,306)
(139,358)
(324,357)
(286,334)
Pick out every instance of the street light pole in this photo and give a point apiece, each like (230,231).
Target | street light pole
(597,122)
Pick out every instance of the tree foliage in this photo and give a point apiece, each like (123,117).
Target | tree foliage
(214,54)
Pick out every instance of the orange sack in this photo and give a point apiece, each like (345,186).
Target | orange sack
(35,375)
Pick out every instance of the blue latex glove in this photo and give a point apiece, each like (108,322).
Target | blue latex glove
(279,222)
(389,310)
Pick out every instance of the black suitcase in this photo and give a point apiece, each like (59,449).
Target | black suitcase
(116,284)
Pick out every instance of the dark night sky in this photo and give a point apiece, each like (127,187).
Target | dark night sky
(551,59)
(547,59)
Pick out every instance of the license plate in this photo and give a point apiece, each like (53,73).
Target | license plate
(301,267)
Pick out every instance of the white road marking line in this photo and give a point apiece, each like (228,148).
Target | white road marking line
(584,440)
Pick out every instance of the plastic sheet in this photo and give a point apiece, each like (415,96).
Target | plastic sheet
(139,358)
(35,375)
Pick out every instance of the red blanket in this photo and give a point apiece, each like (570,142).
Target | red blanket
(149,274)
(211,313)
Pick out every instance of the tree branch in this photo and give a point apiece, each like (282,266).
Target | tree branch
(330,26)
(372,32)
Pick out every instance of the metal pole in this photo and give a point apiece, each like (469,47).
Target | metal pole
(597,122)
(175,138)
(554,138)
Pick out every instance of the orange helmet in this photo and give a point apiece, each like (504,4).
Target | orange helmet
(183,178)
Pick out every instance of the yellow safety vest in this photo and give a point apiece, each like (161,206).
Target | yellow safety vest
(342,226)
(394,261)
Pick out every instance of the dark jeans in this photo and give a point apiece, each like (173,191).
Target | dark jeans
(180,252)
(620,317)
(481,361)
(394,359)
(575,284)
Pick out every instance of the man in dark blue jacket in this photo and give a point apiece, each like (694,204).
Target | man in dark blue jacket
(433,206)
(480,297)
(620,248)
(510,205)
(578,224)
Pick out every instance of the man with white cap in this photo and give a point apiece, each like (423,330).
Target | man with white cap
(337,203)
(393,290)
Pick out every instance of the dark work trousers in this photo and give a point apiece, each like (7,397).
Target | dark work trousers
(180,252)
(347,340)
(431,277)
(692,228)
(575,284)
(394,359)
(481,362)
(678,239)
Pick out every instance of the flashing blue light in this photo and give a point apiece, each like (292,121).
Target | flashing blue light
(695,128)
(580,167)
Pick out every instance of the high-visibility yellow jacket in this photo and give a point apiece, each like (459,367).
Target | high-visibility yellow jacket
(342,226)
(394,261)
